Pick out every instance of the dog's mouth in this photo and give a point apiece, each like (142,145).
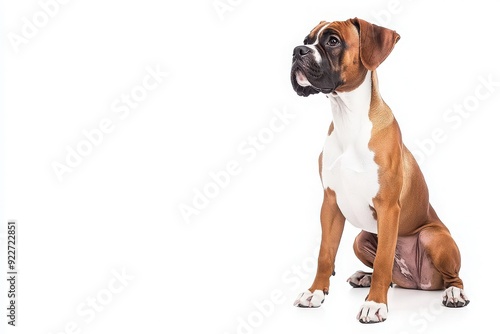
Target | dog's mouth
(301,80)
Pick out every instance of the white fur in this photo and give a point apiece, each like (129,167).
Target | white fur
(372,312)
(403,267)
(314,48)
(454,296)
(310,299)
(349,168)
(360,278)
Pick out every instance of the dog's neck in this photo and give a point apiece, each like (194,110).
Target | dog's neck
(354,100)
(351,110)
(354,110)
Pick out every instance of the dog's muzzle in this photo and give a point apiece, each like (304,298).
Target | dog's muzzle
(305,72)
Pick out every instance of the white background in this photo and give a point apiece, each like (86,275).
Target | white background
(227,74)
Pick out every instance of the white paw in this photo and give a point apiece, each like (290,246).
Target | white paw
(310,299)
(360,279)
(455,297)
(372,312)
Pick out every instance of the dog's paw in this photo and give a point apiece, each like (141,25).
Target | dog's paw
(360,279)
(455,297)
(372,312)
(310,299)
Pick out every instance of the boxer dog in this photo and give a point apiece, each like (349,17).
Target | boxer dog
(369,176)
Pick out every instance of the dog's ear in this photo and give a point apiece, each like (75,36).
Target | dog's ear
(375,43)
(302,91)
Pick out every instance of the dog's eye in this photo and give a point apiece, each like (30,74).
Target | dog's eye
(333,41)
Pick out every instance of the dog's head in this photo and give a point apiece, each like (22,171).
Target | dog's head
(336,56)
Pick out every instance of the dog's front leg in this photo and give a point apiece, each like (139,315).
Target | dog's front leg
(375,307)
(332,226)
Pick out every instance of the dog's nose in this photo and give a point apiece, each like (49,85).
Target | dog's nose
(301,51)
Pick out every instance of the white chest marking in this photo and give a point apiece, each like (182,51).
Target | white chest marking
(348,164)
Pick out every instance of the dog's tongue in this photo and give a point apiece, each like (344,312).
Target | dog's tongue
(301,79)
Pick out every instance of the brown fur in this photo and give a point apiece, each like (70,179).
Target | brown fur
(404,216)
